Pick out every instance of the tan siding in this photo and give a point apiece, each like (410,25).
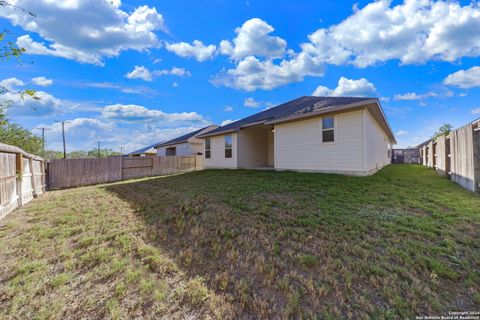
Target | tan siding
(217,159)
(298,145)
(183,149)
(376,144)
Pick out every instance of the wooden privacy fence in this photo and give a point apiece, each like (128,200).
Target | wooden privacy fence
(456,155)
(22,177)
(67,173)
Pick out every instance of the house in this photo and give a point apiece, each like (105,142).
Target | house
(147,151)
(346,135)
(185,145)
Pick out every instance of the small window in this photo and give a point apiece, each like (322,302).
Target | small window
(228,146)
(207,149)
(328,130)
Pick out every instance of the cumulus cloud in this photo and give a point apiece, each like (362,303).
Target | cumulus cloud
(42,105)
(140,72)
(251,103)
(84,30)
(251,73)
(475,111)
(197,50)
(134,113)
(409,96)
(42,81)
(401,133)
(464,79)
(412,32)
(348,88)
(228,109)
(11,84)
(253,39)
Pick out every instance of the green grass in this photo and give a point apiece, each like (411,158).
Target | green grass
(245,244)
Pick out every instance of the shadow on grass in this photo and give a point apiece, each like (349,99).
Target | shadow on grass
(285,244)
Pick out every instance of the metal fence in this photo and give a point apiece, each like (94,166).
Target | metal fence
(406,156)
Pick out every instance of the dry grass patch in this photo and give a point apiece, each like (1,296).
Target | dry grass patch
(246,244)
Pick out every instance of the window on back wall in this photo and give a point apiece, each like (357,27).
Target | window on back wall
(207,149)
(228,146)
(328,129)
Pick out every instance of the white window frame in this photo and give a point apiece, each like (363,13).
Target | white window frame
(334,130)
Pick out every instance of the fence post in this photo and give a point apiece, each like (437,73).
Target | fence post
(32,178)
(19,173)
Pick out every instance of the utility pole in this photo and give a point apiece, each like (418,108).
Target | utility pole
(121,151)
(98,149)
(63,134)
(43,138)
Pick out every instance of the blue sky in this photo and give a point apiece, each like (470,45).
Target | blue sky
(132,73)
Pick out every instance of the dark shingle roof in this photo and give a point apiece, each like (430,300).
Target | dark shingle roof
(143,150)
(295,107)
(181,139)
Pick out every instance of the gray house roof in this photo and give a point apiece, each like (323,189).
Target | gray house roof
(148,149)
(181,139)
(299,108)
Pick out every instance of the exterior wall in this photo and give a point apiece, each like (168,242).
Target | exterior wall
(298,145)
(376,144)
(253,147)
(217,154)
(182,149)
(271,149)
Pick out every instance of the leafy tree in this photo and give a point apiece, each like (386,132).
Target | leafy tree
(12,133)
(443,130)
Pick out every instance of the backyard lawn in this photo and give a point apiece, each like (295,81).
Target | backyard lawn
(245,244)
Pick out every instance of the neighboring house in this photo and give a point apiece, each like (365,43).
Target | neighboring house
(185,145)
(147,151)
(324,134)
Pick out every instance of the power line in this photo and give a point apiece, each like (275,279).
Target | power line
(43,137)
(63,135)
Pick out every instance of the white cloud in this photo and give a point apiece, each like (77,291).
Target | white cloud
(11,84)
(42,81)
(198,50)
(140,72)
(464,79)
(251,103)
(42,105)
(348,87)
(253,39)
(409,96)
(175,85)
(412,32)
(228,109)
(251,73)
(475,111)
(133,113)
(84,30)
(401,133)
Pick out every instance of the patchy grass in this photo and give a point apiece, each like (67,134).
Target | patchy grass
(245,244)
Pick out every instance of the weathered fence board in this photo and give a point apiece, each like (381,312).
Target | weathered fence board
(22,177)
(456,155)
(81,172)
(462,165)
